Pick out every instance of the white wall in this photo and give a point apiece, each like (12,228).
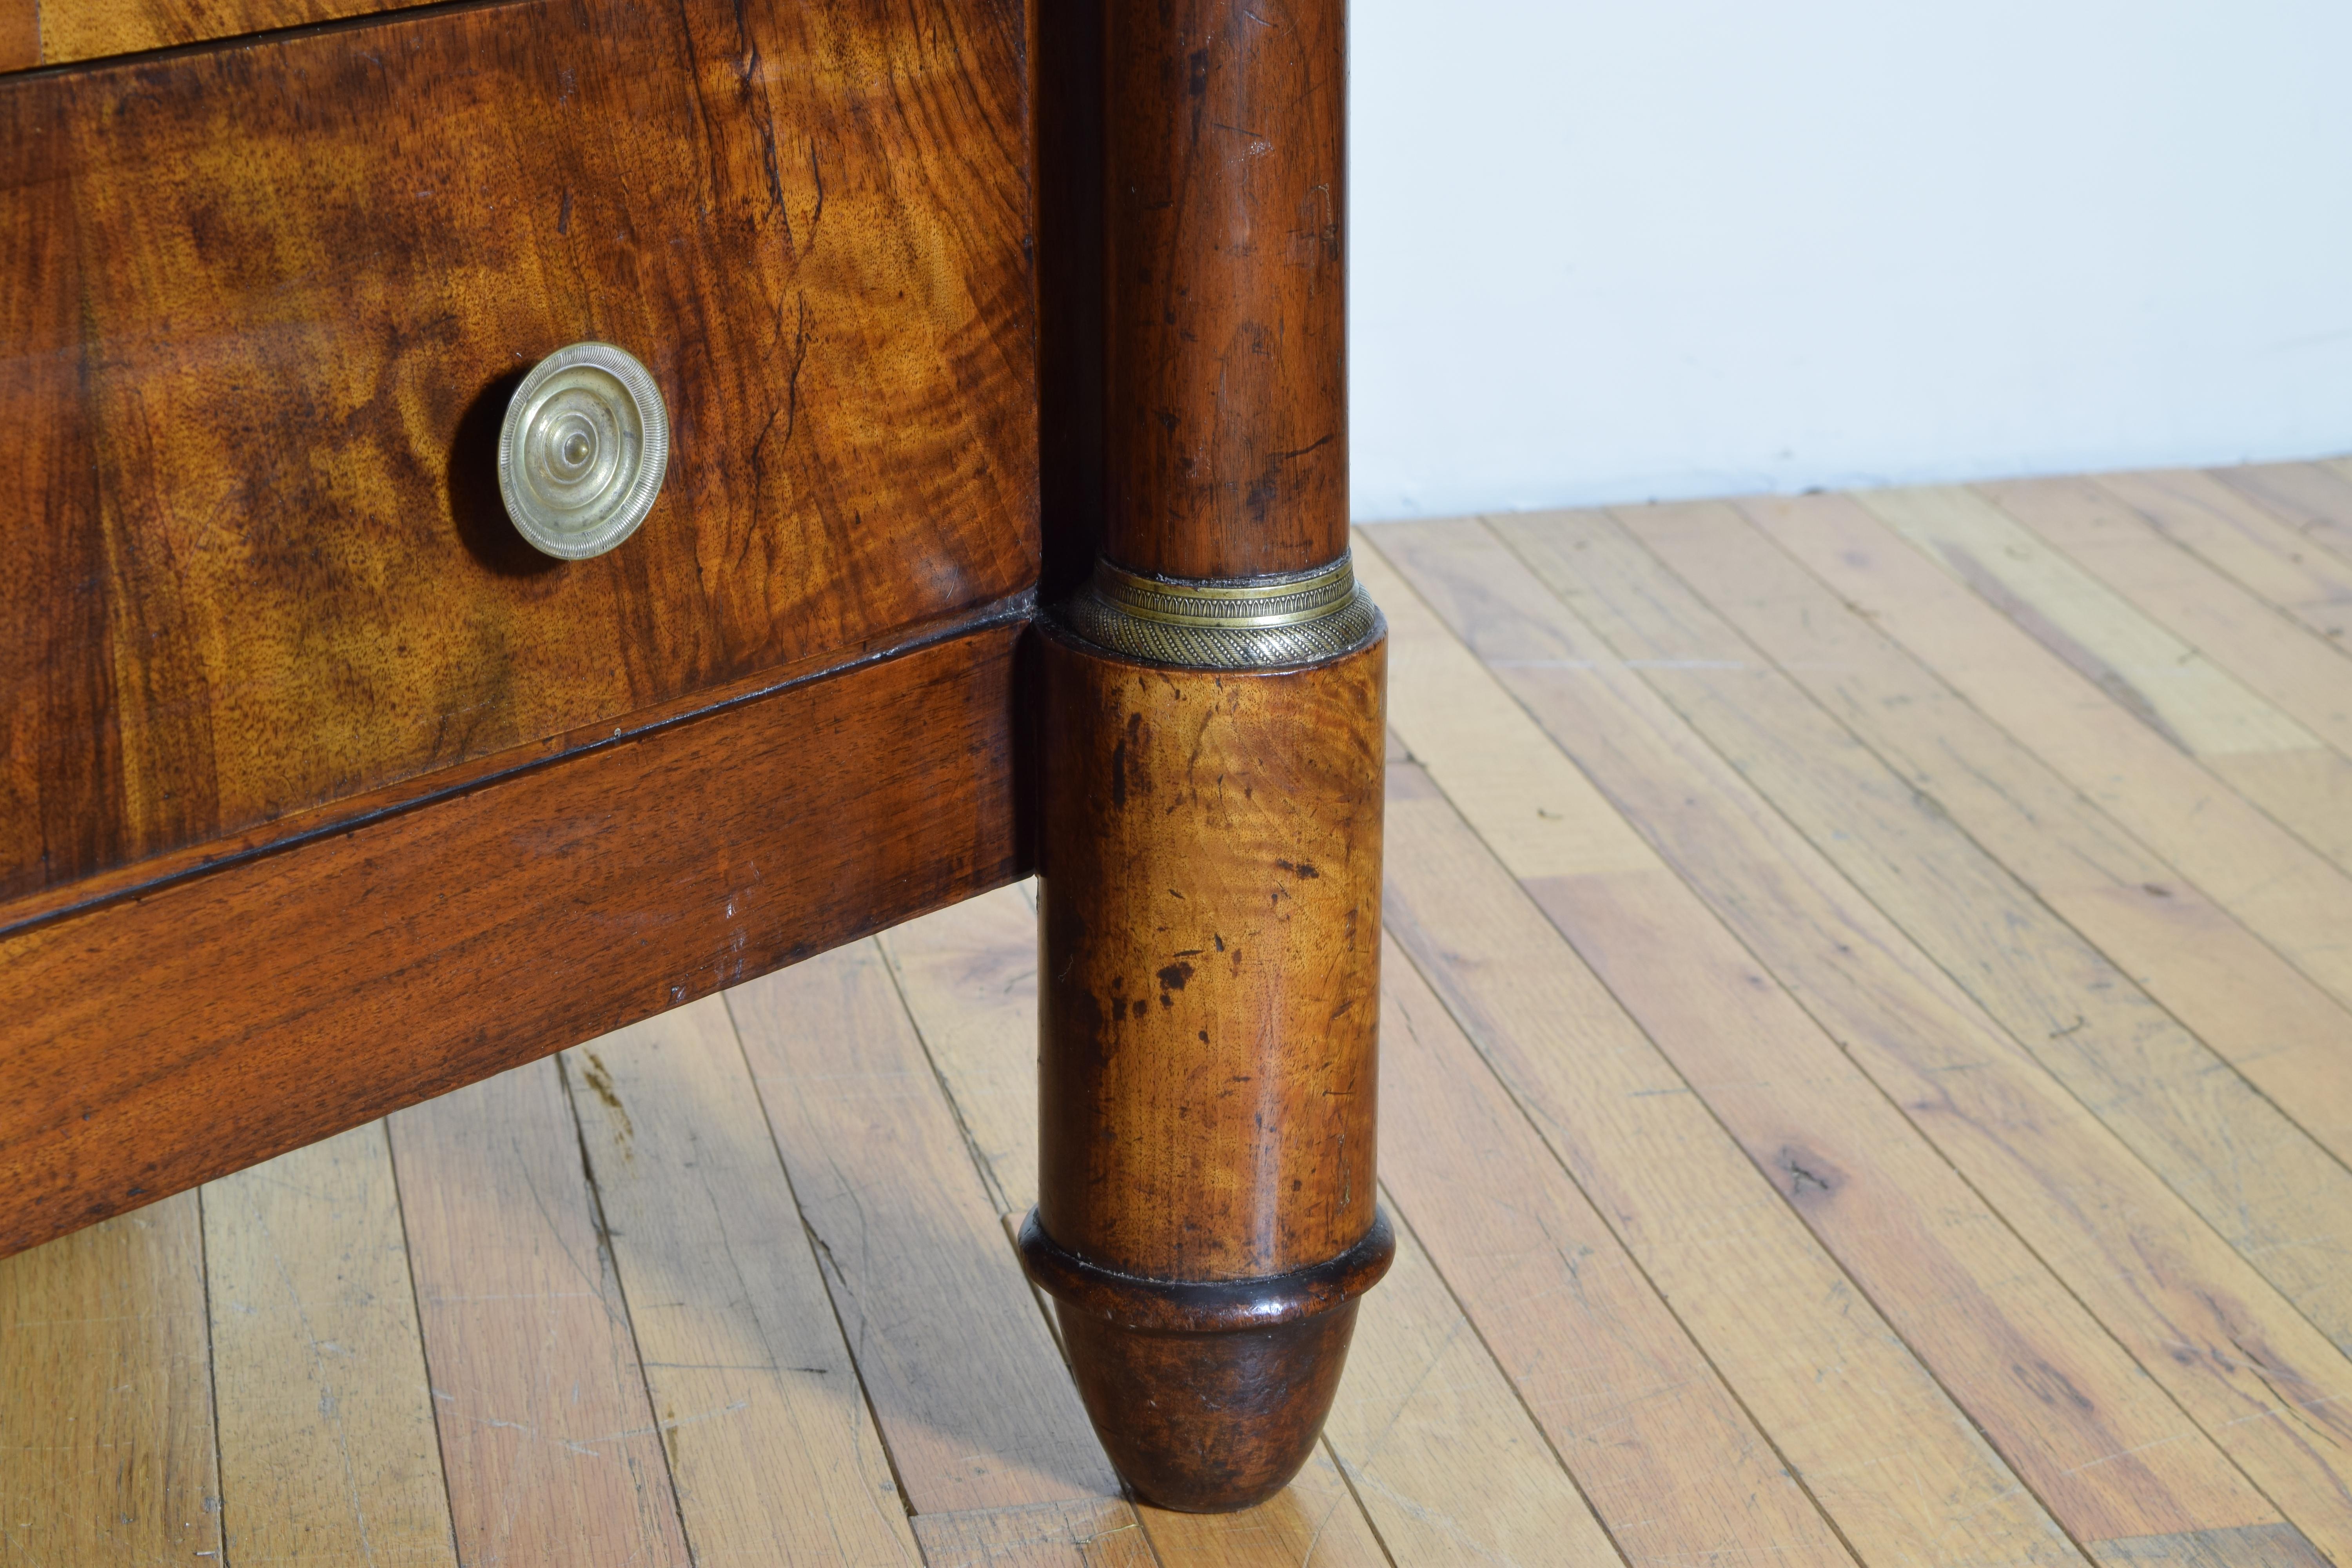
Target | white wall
(1611,251)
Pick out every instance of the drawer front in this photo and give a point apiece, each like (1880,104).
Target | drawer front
(260,307)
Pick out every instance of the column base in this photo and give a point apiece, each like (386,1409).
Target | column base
(1208,1396)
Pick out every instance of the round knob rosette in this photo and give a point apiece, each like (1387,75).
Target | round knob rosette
(582,451)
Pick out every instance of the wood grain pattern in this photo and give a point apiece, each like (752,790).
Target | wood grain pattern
(2314,498)
(1209,893)
(553,1451)
(2213,974)
(2171,1289)
(1831,1148)
(257,1009)
(1448,1464)
(2246,1168)
(2308,677)
(1225,321)
(2094,1218)
(265,304)
(1209,916)
(2248,543)
(70,30)
(1316,1520)
(968,974)
(772,1450)
(2270,760)
(2209,836)
(1087,1532)
(1671,1463)
(106,1401)
(20,35)
(2248,1546)
(1796,1341)
(325,1419)
(965,1382)
(2148,670)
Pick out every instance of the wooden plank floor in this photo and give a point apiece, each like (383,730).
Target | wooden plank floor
(1867,1079)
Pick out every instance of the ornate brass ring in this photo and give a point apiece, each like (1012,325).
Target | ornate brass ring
(1249,622)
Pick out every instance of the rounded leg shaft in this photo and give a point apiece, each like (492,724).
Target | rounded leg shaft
(1210,935)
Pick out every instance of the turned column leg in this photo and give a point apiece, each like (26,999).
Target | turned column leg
(1210,766)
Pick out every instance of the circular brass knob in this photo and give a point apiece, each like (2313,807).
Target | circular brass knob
(582,451)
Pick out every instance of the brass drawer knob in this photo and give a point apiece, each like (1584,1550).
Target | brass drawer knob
(582,451)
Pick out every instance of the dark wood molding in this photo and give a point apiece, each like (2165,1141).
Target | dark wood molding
(154,1043)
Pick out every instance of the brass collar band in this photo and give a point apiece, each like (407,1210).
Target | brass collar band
(1248,623)
(1283,601)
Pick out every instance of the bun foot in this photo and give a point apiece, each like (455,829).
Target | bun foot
(1209,1422)
(1208,1396)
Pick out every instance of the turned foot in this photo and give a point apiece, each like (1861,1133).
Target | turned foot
(1207,1395)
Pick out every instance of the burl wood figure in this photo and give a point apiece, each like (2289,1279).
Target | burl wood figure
(523,515)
